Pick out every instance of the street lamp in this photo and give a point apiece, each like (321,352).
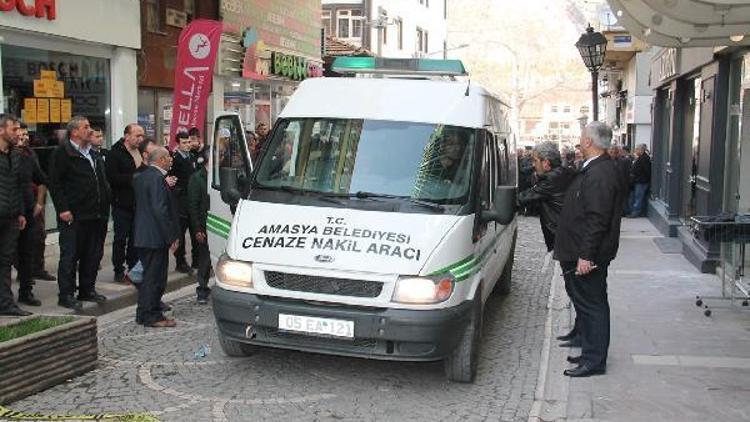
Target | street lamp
(592,46)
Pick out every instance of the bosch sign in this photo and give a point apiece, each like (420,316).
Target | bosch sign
(39,8)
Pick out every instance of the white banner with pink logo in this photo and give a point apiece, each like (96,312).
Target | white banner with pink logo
(196,56)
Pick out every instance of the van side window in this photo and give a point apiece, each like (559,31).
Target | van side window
(489,173)
(229,148)
(501,157)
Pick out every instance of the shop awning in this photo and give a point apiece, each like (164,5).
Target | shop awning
(686,23)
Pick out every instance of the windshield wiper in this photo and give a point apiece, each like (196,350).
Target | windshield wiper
(298,191)
(373,195)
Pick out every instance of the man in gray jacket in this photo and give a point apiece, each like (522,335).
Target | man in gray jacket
(12,219)
(156,233)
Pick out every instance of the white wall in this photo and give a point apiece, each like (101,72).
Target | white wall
(113,22)
(413,14)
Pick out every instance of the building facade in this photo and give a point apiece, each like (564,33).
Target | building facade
(625,93)
(701,142)
(54,66)
(161,23)
(267,48)
(390,28)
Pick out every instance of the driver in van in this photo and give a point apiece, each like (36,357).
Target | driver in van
(451,151)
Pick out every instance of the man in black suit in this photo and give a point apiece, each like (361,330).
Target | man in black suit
(81,194)
(184,165)
(587,240)
(156,232)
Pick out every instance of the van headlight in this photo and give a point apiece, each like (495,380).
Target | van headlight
(234,273)
(424,290)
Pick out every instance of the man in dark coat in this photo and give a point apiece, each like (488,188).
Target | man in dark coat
(588,237)
(548,194)
(640,178)
(198,205)
(184,165)
(122,162)
(156,232)
(31,176)
(79,189)
(12,218)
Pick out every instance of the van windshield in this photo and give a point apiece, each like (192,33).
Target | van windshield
(358,158)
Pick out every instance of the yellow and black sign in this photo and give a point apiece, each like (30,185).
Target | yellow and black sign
(48,104)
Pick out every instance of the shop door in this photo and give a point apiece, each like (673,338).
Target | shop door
(690,147)
(703,171)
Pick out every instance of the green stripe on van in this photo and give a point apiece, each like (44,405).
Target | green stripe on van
(217,231)
(468,266)
(218,221)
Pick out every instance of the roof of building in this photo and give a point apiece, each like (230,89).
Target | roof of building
(337,47)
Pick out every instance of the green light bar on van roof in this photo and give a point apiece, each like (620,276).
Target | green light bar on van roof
(349,65)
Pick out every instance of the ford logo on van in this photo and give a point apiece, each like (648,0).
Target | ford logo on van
(325,259)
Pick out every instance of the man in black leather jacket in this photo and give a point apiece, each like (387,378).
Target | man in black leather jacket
(548,194)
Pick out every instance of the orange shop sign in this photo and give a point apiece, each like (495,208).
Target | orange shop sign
(32,8)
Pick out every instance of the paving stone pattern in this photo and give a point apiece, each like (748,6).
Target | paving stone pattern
(158,371)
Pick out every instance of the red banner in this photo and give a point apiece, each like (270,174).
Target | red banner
(196,55)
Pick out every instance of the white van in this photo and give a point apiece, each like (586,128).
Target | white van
(379,218)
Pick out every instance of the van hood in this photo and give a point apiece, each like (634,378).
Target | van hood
(339,239)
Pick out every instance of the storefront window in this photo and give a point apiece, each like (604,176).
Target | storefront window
(46,88)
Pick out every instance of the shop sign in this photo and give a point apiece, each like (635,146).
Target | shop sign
(668,64)
(39,9)
(196,55)
(294,67)
(289,25)
(48,104)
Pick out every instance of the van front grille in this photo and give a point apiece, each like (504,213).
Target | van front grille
(323,285)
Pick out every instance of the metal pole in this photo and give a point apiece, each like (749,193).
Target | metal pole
(595,95)
(380,37)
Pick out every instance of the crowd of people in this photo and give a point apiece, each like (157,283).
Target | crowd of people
(581,196)
(154,197)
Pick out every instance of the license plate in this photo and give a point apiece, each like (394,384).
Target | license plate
(316,326)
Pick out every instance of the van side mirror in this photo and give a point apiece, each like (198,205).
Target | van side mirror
(230,186)
(504,204)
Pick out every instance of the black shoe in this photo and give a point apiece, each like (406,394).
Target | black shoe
(14,310)
(44,275)
(70,302)
(120,278)
(585,370)
(29,299)
(202,300)
(92,297)
(567,337)
(571,344)
(574,359)
(183,268)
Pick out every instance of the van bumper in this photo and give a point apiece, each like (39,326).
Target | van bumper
(379,333)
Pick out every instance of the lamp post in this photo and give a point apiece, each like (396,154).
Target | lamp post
(592,46)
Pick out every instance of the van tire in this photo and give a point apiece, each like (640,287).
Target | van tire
(503,285)
(461,364)
(233,348)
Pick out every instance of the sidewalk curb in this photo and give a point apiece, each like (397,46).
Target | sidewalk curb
(536,412)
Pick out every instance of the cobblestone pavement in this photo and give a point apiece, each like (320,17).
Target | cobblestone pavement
(158,370)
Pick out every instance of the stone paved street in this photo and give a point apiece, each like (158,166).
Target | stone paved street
(158,371)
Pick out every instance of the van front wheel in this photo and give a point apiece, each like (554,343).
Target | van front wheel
(461,364)
(234,348)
